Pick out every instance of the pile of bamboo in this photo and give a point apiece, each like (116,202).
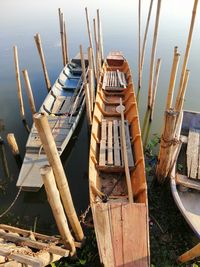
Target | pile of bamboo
(170,136)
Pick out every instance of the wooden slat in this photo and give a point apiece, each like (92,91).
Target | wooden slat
(105,80)
(185,181)
(117,161)
(102,153)
(128,145)
(110,144)
(193,153)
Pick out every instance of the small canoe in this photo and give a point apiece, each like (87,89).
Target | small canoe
(120,221)
(63,106)
(185,176)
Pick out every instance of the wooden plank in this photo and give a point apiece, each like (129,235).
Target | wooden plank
(135,235)
(103,130)
(103,233)
(128,145)
(34,244)
(185,181)
(110,143)
(102,151)
(57,104)
(105,79)
(193,153)
(117,161)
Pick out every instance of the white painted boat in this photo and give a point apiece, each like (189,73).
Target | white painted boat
(184,185)
(63,106)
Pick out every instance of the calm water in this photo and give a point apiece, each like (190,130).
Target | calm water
(20,20)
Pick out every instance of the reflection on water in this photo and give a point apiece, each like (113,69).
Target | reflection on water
(119,23)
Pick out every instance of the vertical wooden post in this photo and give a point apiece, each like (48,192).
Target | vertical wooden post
(190,254)
(56,206)
(155,85)
(139,45)
(182,95)
(62,37)
(87,98)
(51,151)
(96,49)
(42,58)
(3,158)
(167,145)
(155,37)
(14,148)
(91,78)
(29,91)
(90,40)
(145,38)
(66,42)
(100,37)
(172,79)
(187,52)
(19,87)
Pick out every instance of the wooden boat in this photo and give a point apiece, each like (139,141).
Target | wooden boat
(119,208)
(63,106)
(185,183)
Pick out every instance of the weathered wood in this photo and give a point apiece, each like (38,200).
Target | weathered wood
(29,91)
(61,23)
(100,37)
(172,80)
(57,208)
(193,153)
(190,254)
(53,157)
(18,80)
(110,143)
(155,86)
(128,145)
(187,51)
(117,161)
(182,94)
(185,181)
(42,58)
(155,37)
(13,144)
(34,244)
(145,39)
(102,153)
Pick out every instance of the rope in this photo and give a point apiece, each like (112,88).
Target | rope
(12,204)
(167,143)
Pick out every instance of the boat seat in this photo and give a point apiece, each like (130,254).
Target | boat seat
(114,81)
(110,152)
(193,153)
(69,75)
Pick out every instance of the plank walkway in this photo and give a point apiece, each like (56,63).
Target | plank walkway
(121,244)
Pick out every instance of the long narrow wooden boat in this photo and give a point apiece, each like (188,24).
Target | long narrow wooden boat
(63,106)
(185,176)
(121,224)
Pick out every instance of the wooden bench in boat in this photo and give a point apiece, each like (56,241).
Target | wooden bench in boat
(193,154)
(110,153)
(114,81)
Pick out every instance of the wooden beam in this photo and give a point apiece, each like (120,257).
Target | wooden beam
(190,254)
(185,181)
(29,91)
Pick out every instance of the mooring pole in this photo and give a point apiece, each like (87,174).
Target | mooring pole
(29,91)
(57,208)
(14,148)
(53,157)
(42,58)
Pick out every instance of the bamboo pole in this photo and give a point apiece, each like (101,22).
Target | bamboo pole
(50,149)
(96,50)
(66,42)
(190,254)
(87,98)
(3,158)
(14,148)
(167,145)
(182,95)
(61,22)
(145,38)
(187,52)
(42,58)
(91,79)
(56,206)
(90,40)
(172,79)
(155,86)
(100,37)
(19,86)
(29,91)
(125,156)
(139,45)
(155,38)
